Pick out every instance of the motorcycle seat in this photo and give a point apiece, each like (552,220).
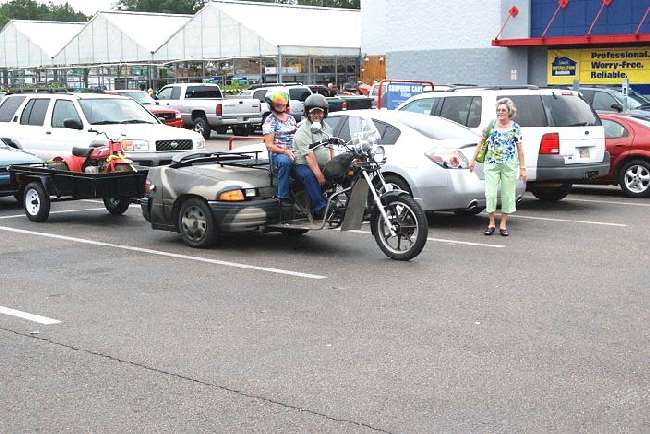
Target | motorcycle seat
(80,152)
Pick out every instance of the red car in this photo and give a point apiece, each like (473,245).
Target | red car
(171,116)
(627,139)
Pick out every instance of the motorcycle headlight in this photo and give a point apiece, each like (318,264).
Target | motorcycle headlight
(379,154)
(135,145)
(200,143)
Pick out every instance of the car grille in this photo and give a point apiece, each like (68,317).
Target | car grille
(174,145)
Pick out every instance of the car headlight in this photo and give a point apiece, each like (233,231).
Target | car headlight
(135,145)
(379,154)
(200,143)
(448,159)
(237,195)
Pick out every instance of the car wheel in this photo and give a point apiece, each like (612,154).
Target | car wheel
(551,194)
(195,223)
(202,127)
(36,202)
(470,212)
(221,130)
(634,178)
(241,131)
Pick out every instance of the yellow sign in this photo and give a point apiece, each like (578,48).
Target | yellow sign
(599,65)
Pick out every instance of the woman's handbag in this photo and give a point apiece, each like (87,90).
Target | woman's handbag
(480,157)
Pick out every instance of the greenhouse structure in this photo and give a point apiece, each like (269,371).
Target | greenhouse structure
(227,42)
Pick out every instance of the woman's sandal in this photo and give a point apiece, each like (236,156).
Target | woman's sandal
(504,232)
(490,230)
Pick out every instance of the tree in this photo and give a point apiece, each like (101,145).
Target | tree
(161,6)
(33,10)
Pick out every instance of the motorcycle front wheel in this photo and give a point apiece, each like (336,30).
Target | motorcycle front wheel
(411,228)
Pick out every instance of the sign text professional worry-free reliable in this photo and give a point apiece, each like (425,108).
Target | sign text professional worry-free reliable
(599,65)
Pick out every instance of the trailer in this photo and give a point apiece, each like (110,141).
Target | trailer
(40,185)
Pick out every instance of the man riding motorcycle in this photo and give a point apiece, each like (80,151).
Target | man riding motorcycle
(279,129)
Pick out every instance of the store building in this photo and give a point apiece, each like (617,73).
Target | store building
(511,41)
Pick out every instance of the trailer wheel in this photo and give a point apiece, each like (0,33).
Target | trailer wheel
(37,202)
(116,205)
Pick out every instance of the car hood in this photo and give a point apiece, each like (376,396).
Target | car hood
(10,156)
(147,132)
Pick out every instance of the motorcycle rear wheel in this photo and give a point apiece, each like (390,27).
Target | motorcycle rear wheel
(411,226)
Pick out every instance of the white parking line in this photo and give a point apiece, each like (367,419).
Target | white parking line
(28,316)
(610,202)
(445,241)
(165,254)
(15,216)
(549,219)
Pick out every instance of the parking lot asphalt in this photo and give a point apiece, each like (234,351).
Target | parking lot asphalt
(546,330)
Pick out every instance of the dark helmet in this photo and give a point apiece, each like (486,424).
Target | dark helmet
(316,100)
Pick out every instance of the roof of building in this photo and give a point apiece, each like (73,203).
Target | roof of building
(33,43)
(149,30)
(225,28)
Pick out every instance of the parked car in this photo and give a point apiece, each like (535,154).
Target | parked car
(611,99)
(169,116)
(298,93)
(628,142)
(426,156)
(48,125)
(563,137)
(204,108)
(8,156)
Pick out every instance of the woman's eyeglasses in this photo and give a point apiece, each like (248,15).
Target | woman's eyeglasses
(502,110)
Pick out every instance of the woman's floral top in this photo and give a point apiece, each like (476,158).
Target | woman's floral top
(502,145)
(282,131)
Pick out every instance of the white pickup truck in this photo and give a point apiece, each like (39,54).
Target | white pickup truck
(204,108)
(51,124)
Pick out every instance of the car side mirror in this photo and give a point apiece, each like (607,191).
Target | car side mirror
(617,106)
(73,124)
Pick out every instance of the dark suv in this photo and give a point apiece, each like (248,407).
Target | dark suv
(612,100)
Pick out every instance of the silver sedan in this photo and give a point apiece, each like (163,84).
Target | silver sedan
(426,155)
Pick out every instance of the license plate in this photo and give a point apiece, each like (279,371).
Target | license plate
(584,152)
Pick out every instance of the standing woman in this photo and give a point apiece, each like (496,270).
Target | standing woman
(504,160)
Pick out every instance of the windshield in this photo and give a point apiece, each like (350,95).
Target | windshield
(569,111)
(139,97)
(634,100)
(107,111)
